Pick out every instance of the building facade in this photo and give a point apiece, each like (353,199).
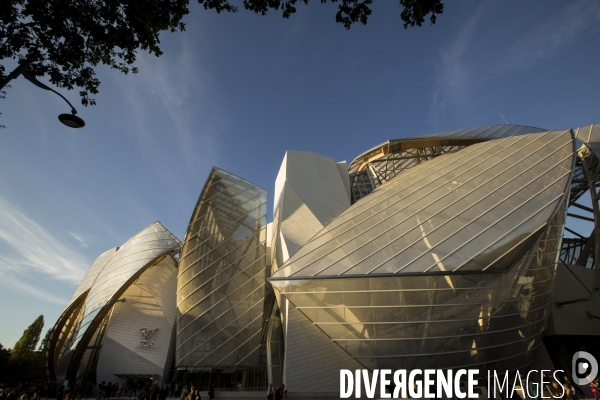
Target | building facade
(440,251)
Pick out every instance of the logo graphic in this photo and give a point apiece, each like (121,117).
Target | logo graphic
(584,368)
(147,334)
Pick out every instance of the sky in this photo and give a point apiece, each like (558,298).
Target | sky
(238,90)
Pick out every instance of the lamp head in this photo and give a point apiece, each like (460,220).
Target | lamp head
(71,120)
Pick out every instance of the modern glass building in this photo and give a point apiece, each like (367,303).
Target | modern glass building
(437,251)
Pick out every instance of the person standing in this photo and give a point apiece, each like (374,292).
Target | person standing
(184,392)
(270,392)
(100,391)
(194,394)
(164,392)
(211,392)
(154,391)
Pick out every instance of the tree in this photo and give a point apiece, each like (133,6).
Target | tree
(27,364)
(45,340)
(70,38)
(26,346)
(4,364)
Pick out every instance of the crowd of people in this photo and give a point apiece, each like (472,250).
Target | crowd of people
(567,390)
(276,394)
(103,390)
(153,391)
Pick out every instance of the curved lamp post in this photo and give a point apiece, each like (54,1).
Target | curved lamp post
(70,120)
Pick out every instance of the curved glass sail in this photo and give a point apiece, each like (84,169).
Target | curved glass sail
(92,273)
(129,261)
(62,332)
(222,275)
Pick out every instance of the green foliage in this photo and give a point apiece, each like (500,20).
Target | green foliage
(415,11)
(25,347)
(5,370)
(45,340)
(25,363)
(349,11)
(70,38)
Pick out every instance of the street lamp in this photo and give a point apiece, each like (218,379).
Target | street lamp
(70,120)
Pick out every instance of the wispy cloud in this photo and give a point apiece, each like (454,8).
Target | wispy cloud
(77,237)
(550,35)
(34,251)
(172,92)
(464,64)
(452,82)
(10,280)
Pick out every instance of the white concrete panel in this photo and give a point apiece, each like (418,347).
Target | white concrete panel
(121,360)
(298,223)
(148,303)
(310,191)
(343,169)
(317,181)
(284,251)
(280,181)
(269,233)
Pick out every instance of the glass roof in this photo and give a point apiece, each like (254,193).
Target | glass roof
(489,132)
(461,211)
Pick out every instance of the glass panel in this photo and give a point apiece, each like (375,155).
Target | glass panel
(222,276)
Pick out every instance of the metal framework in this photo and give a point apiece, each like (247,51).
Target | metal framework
(380,164)
(377,166)
(586,178)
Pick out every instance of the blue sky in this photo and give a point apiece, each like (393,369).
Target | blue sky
(237,91)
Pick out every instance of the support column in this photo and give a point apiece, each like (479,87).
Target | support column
(591,175)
